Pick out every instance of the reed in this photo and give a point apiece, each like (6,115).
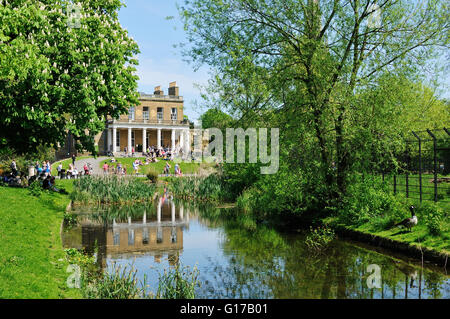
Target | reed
(211,188)
(111,190)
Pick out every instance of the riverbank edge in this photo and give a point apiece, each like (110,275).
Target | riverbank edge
(424,254)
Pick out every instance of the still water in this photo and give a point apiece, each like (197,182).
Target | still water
(238,259)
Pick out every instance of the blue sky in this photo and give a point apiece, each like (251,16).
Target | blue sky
(159,62)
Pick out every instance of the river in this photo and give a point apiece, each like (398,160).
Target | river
(238,259)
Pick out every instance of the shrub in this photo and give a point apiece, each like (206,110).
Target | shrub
(35,188)
(318,238)
(370,201)
(433,217)
(152,176)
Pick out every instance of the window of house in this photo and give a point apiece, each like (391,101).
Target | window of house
(173,114)
(131,113)
(132,138)
(159,113)
(145,113)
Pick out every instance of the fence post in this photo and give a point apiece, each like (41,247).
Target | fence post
(420,165)
(435,164)
(407,172)
(395,184)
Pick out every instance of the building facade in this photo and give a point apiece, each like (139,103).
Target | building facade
(156,122)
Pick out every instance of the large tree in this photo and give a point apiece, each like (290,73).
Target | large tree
(313,60)
(61,75)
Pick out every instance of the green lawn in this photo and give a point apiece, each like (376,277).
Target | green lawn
(32,260)
(186,168)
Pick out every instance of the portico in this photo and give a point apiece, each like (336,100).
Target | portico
(123,137)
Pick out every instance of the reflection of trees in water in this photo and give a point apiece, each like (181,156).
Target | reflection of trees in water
(264,264)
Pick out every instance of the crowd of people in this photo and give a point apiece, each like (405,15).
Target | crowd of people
(42,174)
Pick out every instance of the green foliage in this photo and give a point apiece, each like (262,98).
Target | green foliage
(318,238)
(340,88)
(178,283)
(289,191)
(152,175)
(370,201)
(433,216)
(77,257)
(111,190)
(35,188)
(120,283)
(55,78)
(211,188)
(70,220)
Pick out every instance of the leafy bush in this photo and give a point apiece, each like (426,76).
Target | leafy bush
(370,201)
(70,220)
(35,188)
(318,238)
(433,216)
(152,176)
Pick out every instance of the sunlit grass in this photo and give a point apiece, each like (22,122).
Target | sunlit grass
(32,263)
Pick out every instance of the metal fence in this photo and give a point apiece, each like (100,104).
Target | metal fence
(423,172)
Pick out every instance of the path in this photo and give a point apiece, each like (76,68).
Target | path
(95,163)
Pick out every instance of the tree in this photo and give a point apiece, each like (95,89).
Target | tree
(311,61)
(57,77)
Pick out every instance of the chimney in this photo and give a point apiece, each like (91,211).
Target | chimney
(158,91)
(173,89)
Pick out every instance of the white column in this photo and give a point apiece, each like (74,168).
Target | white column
(114,139)
(173,212)
(144,140)
(188,141)
(182,140)
(129,220)
(109,139)
(129,141)
(144,218)
(158,215)
(181,212)
(173,139)
(159,138)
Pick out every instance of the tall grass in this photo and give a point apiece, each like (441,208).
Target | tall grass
(120,283)
(111,190)
(210,188)
(178,283)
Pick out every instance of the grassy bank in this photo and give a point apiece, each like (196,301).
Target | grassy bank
(32,261)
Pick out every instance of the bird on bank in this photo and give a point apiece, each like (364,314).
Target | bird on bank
(409,222)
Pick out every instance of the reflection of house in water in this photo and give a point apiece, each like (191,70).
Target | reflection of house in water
(158,235)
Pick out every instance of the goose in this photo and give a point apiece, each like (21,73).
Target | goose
(409,222)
